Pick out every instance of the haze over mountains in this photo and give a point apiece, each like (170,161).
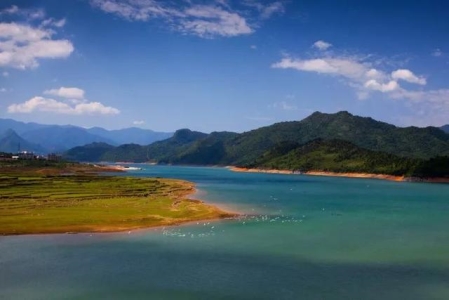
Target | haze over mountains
(55,138)
(445,128)
(227,148)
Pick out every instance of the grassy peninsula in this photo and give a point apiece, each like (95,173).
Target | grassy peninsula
(42,200)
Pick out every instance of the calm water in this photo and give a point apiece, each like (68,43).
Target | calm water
(303,238)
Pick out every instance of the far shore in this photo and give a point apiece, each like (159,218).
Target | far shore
(345,174)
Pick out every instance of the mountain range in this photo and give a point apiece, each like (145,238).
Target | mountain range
(56,138)
(227,148)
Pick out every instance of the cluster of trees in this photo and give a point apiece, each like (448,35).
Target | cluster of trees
(342,156)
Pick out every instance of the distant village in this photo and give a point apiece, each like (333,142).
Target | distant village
(29,155)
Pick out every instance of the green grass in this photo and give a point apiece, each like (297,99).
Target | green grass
(90,203)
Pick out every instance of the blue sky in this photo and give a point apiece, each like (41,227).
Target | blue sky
(222,65)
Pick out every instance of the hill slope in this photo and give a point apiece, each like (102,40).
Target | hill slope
(333,156)
(363,132)
(187,147)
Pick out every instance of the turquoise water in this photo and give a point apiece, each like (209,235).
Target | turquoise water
(302,237)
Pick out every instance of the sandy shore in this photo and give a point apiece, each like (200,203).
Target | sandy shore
(322,173)
(348,175)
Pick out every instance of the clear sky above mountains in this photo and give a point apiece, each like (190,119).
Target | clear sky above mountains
(222,65)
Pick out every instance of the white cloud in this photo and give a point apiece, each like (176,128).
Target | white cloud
(41,104)
(375,74)
(272,9)
(382,87)
(207,21)
(131,9)
(407,75)
(341,66)
(21,46)
(140,122)
(66,92)
(30,14)
(11,10)
(52,22)
(321,45)
(266,10)
(368,74)
(203,20)
(437,53)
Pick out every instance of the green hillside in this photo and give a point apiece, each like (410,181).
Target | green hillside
(225,148)
(333,156)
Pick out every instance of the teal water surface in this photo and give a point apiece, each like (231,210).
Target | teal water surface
(300,237)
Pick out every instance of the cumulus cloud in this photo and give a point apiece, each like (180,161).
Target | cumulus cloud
(22,46)
(73,103)
(321,45)
(342,66)
(41,104)
(382,87)
(407,75)
(367,75)
(66,92)
(203,20)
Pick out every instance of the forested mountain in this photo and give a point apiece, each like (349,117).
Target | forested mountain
(158,151)
(333,156)
(224,148)
(363,132)
(90,152)
(445,128)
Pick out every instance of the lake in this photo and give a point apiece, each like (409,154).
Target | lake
(300,237)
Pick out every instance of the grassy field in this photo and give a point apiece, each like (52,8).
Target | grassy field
(34,203)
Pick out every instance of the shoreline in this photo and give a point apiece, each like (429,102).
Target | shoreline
(212,213)
(345,175)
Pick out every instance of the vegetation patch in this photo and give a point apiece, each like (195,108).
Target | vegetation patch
(36,203)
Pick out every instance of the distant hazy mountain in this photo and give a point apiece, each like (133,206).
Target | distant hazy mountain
(56,138)
(61,138)
(131,135)
(224,148)
(445,128)
(11,142)
(18,127)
